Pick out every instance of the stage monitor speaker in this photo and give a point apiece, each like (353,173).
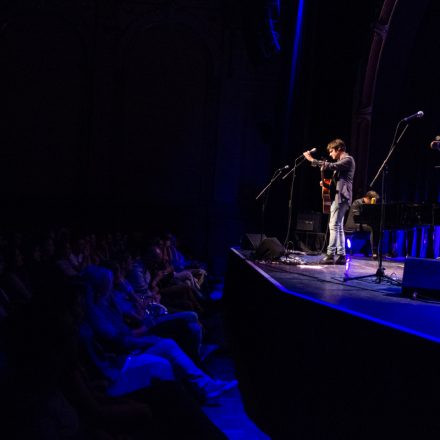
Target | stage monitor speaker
(250,242)
(421,277)
(269,249)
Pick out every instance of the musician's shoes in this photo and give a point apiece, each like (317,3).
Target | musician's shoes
(374,257)
(328,259)
(340,259)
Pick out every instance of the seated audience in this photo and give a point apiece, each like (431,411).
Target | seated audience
(48,394)
(110,330)
(13,279)
(153,318)
(151,279)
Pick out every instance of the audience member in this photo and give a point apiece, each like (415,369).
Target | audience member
(183,327)
(110,330)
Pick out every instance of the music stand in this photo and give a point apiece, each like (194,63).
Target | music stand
(380,272)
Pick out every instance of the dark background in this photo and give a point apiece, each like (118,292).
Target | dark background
(174,114)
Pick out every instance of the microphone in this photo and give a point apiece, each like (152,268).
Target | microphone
(312,150)
(298,161)
(285,167)
(301,156)
(417,115)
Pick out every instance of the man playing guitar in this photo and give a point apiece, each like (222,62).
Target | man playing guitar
(343,169)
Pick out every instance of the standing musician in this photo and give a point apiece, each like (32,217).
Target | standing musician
(343,172)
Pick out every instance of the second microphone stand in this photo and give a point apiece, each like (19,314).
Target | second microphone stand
(265,192)
(380,272)
(298,161)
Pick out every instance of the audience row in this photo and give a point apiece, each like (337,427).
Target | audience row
(100,338)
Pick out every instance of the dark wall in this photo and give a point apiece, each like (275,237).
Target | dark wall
(43,104)
(174,115)
(407,83)
(334,46)
(147,114)
(337,37)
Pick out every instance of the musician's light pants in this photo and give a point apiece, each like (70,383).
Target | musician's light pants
(336,243)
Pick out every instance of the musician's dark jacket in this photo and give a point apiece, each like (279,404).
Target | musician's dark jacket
(343,176)
(355,210)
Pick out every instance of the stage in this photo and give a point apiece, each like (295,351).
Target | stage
(320,357)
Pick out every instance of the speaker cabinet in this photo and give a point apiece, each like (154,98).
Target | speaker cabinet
(250,242)
(269,249)
(308,221)
(421,277)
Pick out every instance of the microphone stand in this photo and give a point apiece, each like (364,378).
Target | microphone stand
(289,218)
(294,166)
(380,272)
(265,191)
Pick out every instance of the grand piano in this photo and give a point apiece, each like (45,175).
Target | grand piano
(418,222)
(400,215)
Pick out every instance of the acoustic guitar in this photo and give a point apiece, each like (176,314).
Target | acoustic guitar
(326,199)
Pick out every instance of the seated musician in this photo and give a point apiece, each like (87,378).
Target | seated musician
(351,226)
(435,144)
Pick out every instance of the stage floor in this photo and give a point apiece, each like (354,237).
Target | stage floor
(366,298)
(320,358)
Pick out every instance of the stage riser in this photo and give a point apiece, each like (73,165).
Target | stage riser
(421,241)
(310,371)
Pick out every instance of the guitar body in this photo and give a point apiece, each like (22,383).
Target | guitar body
(326,198)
